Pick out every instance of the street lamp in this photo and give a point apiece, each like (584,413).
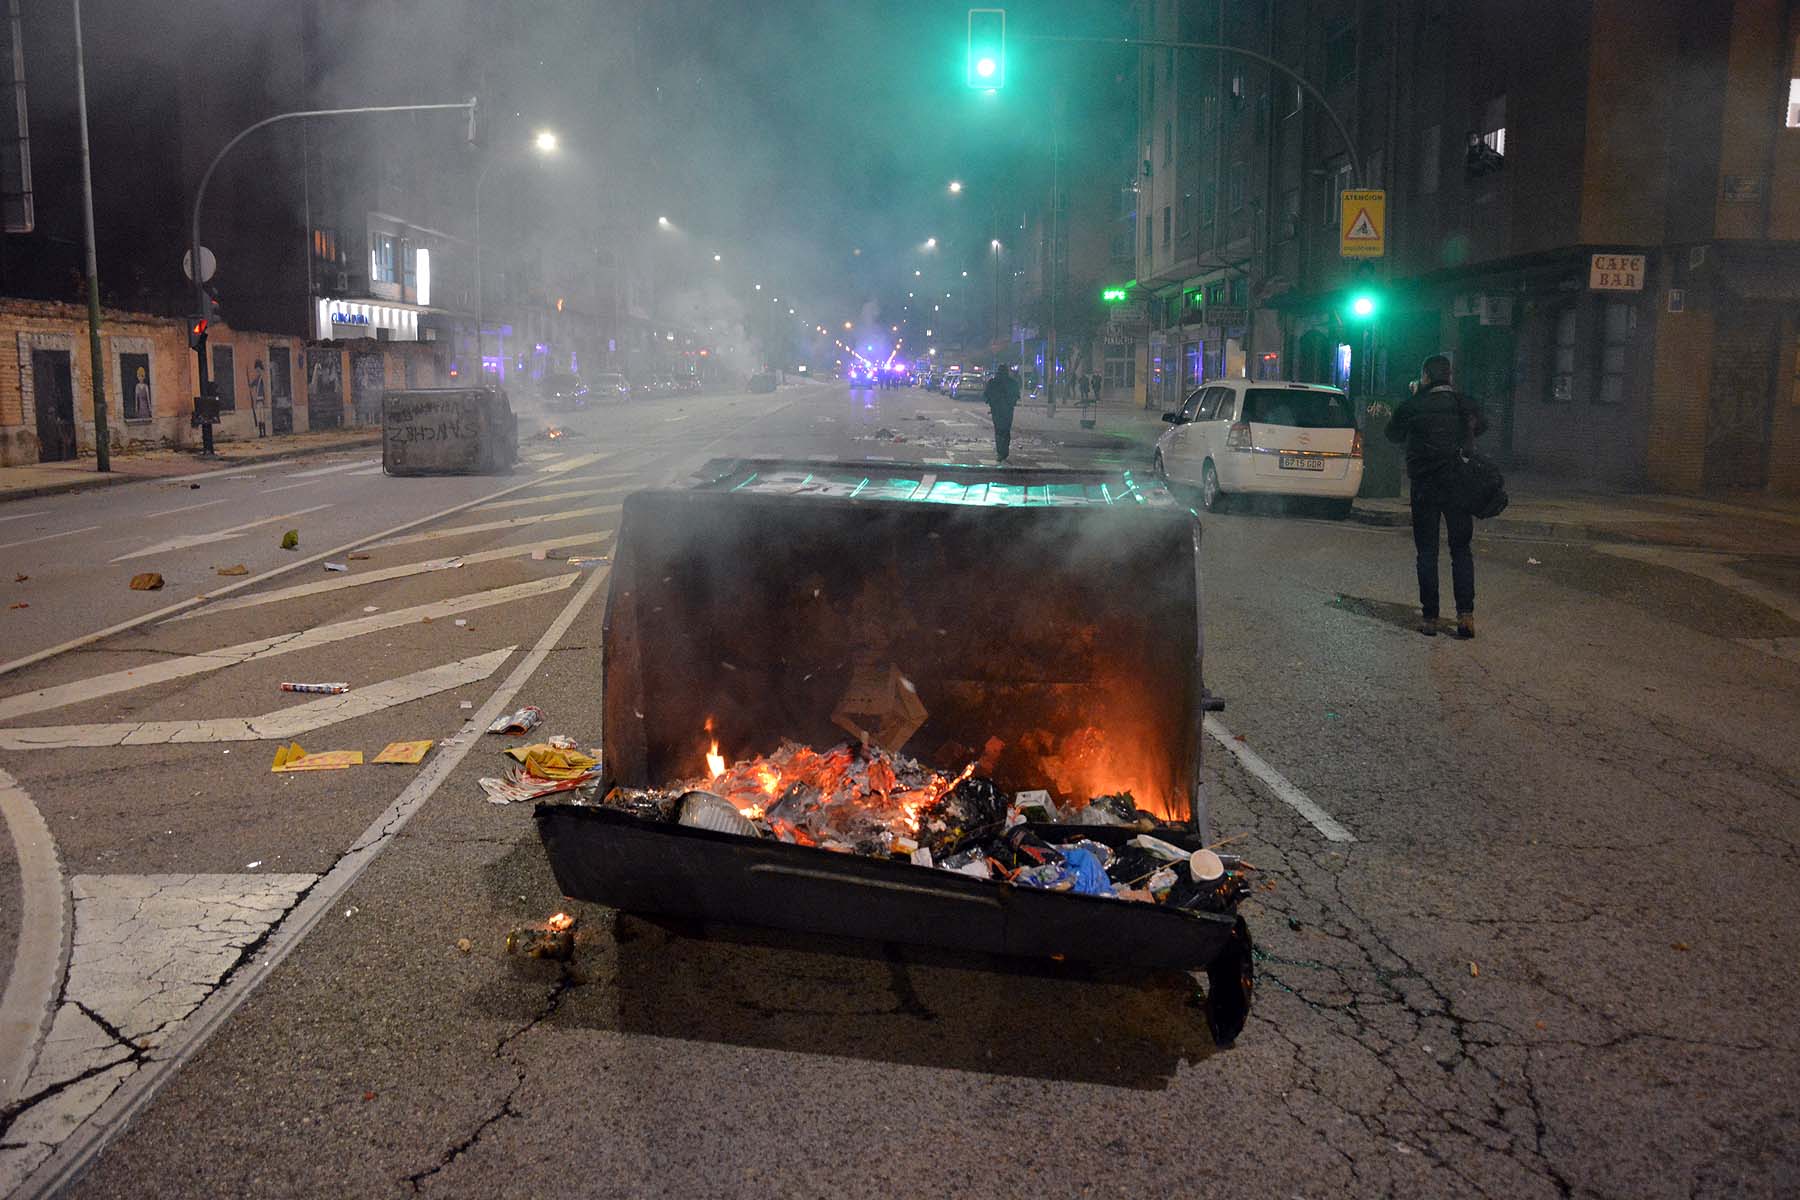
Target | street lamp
(662,222)
(716,258)
(545,142)
(955,187)
(931,243)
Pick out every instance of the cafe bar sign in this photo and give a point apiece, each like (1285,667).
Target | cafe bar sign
(1616,273)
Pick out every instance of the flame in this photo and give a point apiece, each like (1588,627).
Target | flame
(559,922)
(715,762)
(553,433)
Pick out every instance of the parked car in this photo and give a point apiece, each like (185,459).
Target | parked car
(610,386)
(968,385)
(563,392)
(1249,437)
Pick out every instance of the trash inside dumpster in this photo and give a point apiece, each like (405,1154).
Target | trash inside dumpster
(952,706)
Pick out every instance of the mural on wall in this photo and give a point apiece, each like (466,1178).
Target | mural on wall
(134,383)
(324,388)
(368,383)
(258,388)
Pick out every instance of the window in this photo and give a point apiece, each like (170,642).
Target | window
(1338,183)
(1168,142)
(1239,172)
(1209,403)
(1298,409)
(1239,91)
(1150,89)
(1261,128)
(224,373)
(1290,213)
(383,252)
(410,263)
(1793,117)
(1184,222)
(325,245)
(1616,327)
(1487,146)
(1165,227)
(1562,363)
(1190,408)
(1193,367)
(1429,166)
(1238,293)
(1340,55)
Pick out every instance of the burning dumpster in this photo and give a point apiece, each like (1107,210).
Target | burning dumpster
(941,705)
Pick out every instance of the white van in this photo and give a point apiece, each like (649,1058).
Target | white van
(1243,436)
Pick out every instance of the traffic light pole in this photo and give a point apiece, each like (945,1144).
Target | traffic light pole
(201,307)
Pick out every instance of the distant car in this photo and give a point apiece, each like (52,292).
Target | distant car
(861,377)
(968,385)
(610,386)
(1247,437)
(563,392)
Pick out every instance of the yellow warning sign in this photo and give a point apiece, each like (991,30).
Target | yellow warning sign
(1362,228)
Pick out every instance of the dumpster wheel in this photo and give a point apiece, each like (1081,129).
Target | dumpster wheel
(1230,980)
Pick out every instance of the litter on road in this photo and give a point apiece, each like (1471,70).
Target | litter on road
(234,569)
(407,753)
(320,689)
(522,721)
(290,540)
(443,564)
(331,566)
(292,758)
(146,581)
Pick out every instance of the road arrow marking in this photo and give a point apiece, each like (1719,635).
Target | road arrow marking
(284,724)
(163,671)
(381,574)
(488,526)
(188,540)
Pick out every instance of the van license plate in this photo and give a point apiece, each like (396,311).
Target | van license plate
(1294,462)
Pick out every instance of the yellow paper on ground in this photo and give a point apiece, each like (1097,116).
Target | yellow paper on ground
(404,752)
(552,762)
(292,758)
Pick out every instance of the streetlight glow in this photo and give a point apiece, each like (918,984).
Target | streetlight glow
(545,142)
(931,243)
(716,258)
(663,221)
(995,243)
(955,187)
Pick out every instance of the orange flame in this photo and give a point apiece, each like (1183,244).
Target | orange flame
(560,922)
(715,762)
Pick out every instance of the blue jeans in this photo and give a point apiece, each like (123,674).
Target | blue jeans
(1426,510)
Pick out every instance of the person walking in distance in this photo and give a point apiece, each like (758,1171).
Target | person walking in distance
(1002,396)
(1435,423)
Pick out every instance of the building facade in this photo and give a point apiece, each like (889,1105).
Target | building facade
(1593,207)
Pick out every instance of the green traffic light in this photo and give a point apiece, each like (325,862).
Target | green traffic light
(1363,306)
(987,48)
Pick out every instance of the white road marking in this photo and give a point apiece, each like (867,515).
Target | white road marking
(147,950)
(288,487)
(381,574)
(283,724)
(191,507)
(432,535)
(49,537)
(21,516)
(1284,791)
(332,470)
(365,471)
(129,623)
(570,494)
(32,983)
(164,670)
(124,1102)
(224,474)
(189,540)
(546,456)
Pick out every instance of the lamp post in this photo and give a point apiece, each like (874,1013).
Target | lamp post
(545,143)
(96,364)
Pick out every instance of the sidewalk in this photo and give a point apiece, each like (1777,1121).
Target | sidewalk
(1556,509)
(79,475)
(1542,506)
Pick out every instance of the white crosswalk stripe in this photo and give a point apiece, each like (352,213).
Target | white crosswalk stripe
(189,540)
(111,684)
(283,724)
(434,535)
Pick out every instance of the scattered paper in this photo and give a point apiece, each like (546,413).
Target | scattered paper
(371,608)
(525,719)
(544,761)
(331,566)
(251,866)
(517,787)
(292,758)
(461,621)
(1532,562)
(404,752)
(443,564)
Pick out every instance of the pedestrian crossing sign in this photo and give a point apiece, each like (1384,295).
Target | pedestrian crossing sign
(1362,228)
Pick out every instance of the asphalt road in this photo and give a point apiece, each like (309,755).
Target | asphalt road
(1555,960)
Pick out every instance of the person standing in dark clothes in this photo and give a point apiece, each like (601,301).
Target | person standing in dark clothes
(1002,396)
(1436,423)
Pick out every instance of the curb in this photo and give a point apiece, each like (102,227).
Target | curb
(96,481)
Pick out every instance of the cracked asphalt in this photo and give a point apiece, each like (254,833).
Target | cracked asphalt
(1557,960)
